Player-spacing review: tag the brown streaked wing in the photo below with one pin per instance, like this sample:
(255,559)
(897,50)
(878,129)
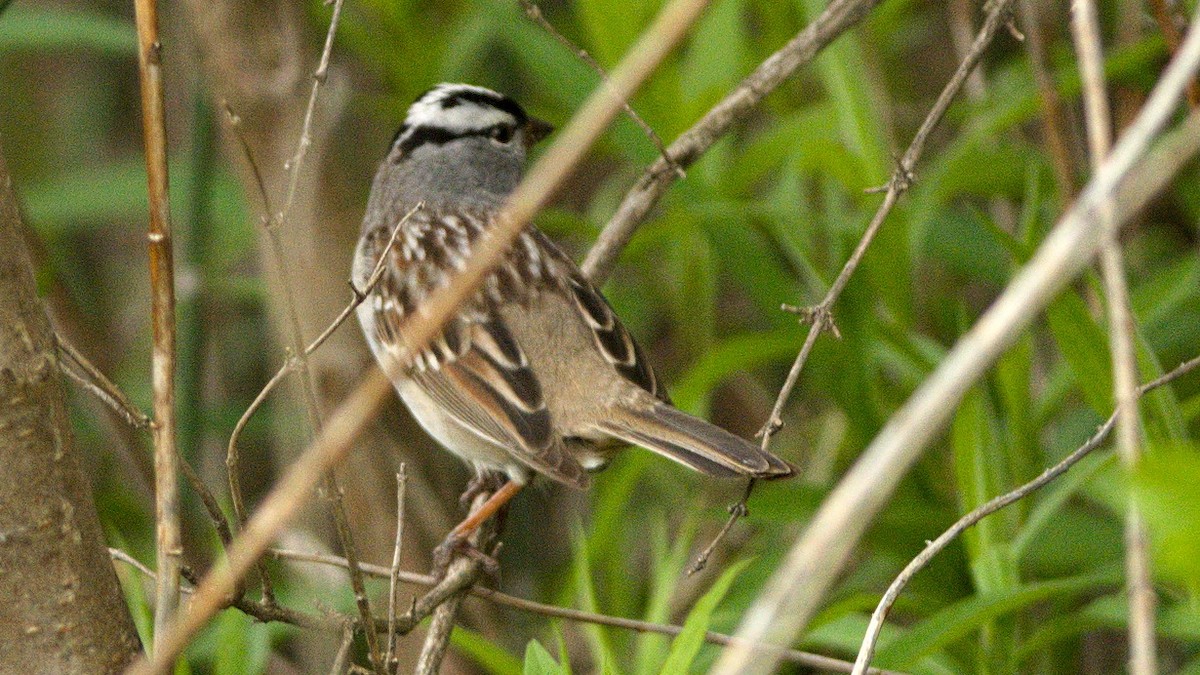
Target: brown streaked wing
(475,370)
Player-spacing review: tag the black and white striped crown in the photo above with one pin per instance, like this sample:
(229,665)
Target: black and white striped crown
(451,111)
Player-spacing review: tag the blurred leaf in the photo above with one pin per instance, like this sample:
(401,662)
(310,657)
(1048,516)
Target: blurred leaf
(598,636)
(58,30)
(539,662)
(1085,347)
(686,645)
(842,67)
(242,645)
(613,25)
(962,618)
(740,353)
(490,656)
(980,477)
(716,56)
(1166,484)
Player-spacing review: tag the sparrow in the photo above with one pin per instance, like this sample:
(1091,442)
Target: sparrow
(534,374)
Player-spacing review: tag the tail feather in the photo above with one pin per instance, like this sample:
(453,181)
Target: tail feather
(694,443)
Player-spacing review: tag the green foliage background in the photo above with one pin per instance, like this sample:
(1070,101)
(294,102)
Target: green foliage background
(767,216)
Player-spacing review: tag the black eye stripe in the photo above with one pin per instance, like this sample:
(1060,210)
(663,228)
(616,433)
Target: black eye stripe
(439,136)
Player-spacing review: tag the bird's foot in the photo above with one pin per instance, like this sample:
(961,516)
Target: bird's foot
(456,545)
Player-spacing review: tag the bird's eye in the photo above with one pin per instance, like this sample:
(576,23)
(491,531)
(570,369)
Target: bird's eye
(502,134)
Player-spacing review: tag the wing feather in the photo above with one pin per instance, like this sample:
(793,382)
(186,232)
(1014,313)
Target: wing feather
(475,369)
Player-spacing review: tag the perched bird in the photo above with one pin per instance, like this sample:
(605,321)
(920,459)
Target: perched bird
(535,373)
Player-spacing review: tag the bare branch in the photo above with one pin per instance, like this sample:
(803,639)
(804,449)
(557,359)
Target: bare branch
(94,382)
(394,576)
(342,658)
(332,488)
(461,573)
(820,316)
(837,18)
(795,656)
(1166,17)
(879,616)
(794,591)
(1142,600)
(348,420)
(162,307)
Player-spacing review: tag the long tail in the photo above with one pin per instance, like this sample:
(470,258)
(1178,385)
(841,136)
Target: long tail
(694,443)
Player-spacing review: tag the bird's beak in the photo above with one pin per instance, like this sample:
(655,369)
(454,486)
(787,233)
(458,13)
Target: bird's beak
(536,130)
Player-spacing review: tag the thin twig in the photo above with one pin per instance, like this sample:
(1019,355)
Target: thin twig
(1142,654)
(343,426)
(534,12)
(342,658)
(820,316)
(331,486)
(737,510)
(838,17)
(290,365)
(796,588)
(553,611)
(879,616)
(94,382)
(1051,106)
(394,577)
(1165,17)
(461,575)
(162,310)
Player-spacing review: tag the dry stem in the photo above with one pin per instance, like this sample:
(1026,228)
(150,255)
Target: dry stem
(96,383)
(162,308)
(331,487)
(394,576)
(1142,601)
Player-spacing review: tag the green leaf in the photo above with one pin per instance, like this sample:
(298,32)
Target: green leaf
(733,355)
(242,645)
(598,636)
(980,477)
(1085,347)
(490,656)
(686,645)
(962,618)
(716,56)
(56,30)
(539,662)
(1166,485)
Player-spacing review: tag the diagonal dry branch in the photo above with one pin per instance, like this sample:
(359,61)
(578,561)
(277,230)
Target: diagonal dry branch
(294,488)
(797,587)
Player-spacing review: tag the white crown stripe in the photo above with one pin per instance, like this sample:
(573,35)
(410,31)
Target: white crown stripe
(465,116)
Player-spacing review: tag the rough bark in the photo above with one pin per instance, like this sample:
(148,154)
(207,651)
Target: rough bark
(62,608)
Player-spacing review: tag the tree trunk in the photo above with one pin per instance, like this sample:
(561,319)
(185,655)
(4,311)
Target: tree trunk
(63,611)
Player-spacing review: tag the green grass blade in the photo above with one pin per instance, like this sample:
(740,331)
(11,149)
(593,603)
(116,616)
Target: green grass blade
(686,645)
